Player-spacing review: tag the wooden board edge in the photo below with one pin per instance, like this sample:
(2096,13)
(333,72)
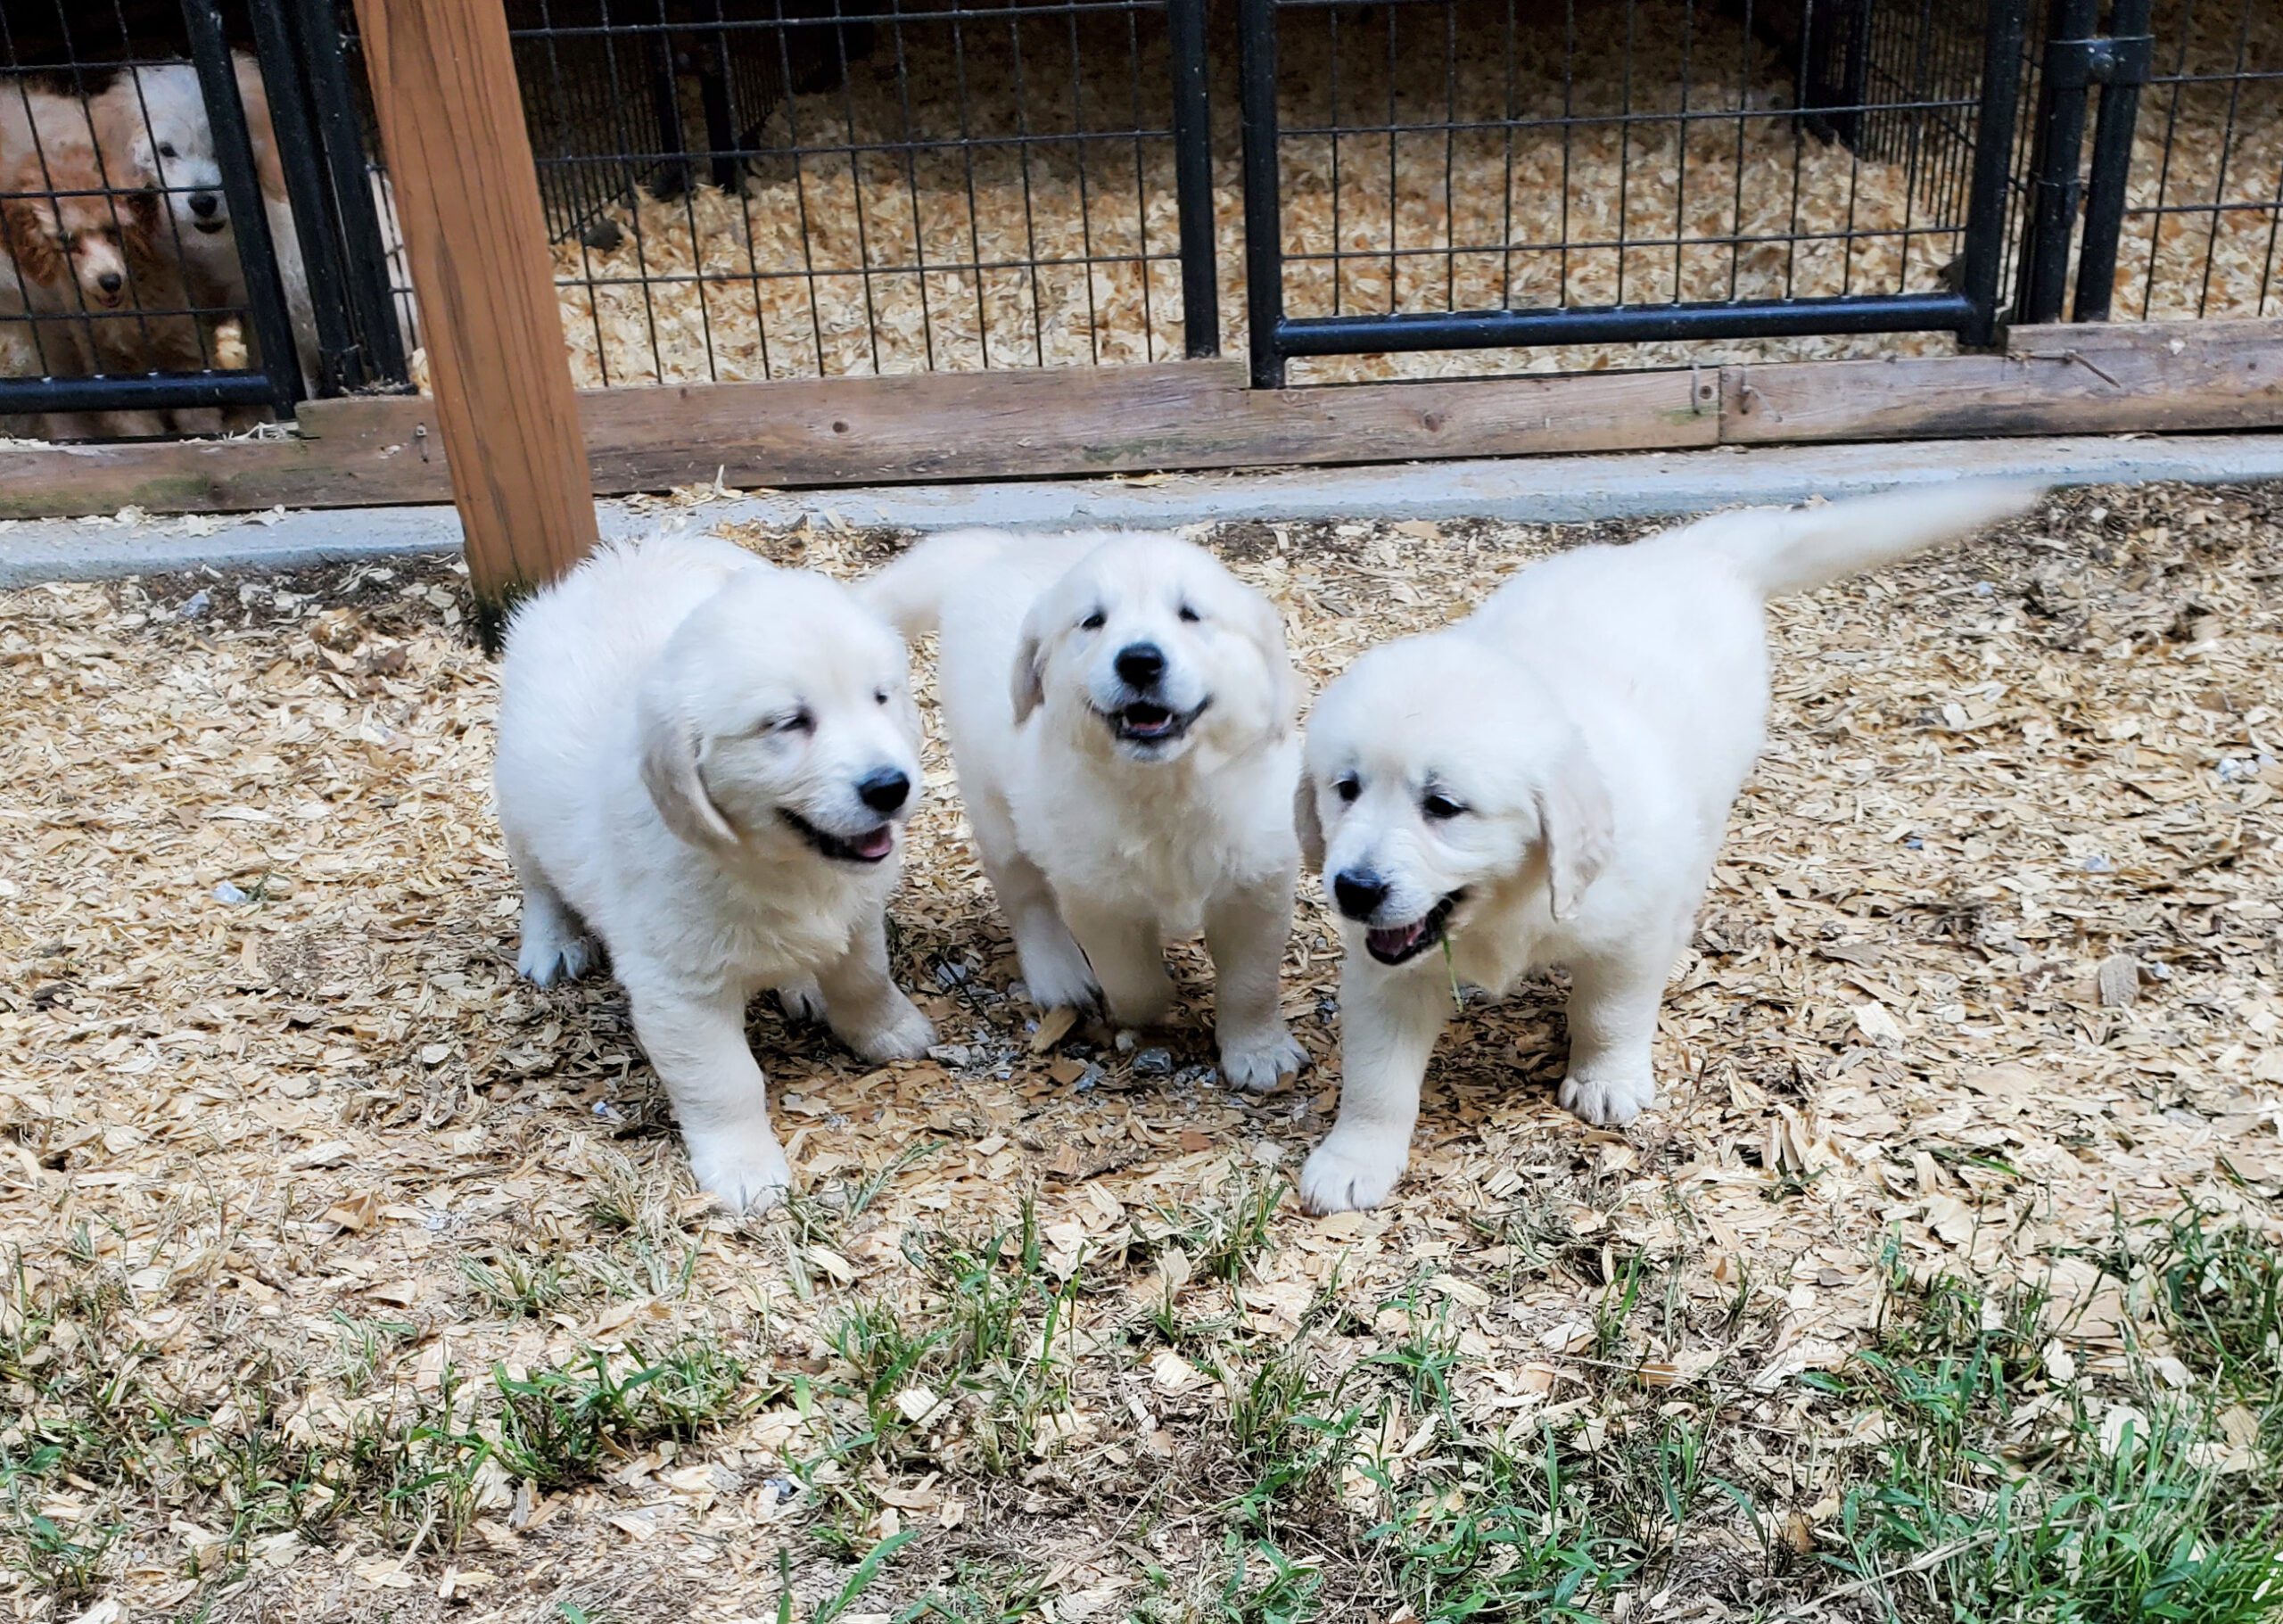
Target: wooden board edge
(2134,388)
(1193,415)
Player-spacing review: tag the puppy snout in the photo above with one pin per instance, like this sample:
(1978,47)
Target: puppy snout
(1140,664)
(1359,893)
(205,205)
(883,789)
(111,281)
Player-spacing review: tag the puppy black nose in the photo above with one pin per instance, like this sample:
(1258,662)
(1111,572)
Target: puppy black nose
(885,790)
(1140,664)
(109,282)
(1359,893)
(204,204)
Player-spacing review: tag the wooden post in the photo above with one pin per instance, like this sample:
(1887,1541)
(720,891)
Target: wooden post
(452,123)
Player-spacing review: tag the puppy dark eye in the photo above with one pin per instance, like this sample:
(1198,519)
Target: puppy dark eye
(1440,806)
(1348,787)
(802,721)
(165,149)
(1093,622)
(881,695)
(1189,615)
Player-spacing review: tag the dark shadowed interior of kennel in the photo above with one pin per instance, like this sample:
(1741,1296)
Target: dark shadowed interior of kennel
(764,189)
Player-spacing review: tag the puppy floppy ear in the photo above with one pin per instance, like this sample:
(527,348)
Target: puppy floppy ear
(1576,822)
(669,744)
(1307,824)
(1027,680)
(24,233)
(1265,627)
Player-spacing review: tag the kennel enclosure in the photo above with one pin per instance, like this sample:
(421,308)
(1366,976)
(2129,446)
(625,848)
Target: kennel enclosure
(788,241)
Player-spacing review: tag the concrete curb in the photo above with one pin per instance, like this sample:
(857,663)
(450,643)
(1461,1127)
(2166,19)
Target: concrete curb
(1546,489)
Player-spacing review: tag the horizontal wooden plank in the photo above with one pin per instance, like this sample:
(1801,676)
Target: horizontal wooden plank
(2052,381)
(1185,414)
(366,458)
(1199,415)
(2093,336)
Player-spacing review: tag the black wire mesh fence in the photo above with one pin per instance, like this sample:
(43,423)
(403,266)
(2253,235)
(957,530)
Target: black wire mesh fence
(804,188)
(2205,194)
(761,189)
(136,280)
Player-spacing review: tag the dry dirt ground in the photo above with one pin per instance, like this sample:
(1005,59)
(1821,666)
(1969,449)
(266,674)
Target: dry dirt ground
(348,1277)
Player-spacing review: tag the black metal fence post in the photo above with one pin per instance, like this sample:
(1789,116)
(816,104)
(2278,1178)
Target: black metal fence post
(1263,206)
(365,257)
(218,82)
(1984,248)
(338,362)
(1192,127)
(2126,69)
(2056,184)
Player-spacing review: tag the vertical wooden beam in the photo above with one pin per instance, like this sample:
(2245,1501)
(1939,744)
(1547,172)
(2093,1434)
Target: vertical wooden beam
(452,122)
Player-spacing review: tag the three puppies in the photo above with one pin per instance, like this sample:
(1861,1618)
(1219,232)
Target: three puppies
(703,760)
(1570,811)
(1120,711)
(705,763)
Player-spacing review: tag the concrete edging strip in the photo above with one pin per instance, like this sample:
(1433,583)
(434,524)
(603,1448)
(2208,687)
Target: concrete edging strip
(1531,490)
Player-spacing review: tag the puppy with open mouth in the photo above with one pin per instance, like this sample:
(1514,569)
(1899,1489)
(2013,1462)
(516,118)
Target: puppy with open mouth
(1547,782)
(707,762)
(1120,711)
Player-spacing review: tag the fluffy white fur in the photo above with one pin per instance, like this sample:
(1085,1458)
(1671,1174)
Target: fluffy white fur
(1111,815)
(1547,782)
(687,739)
(154,122)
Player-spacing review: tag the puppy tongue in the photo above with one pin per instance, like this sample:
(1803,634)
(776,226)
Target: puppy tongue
(877,845)
(1395,940)
(1148,719)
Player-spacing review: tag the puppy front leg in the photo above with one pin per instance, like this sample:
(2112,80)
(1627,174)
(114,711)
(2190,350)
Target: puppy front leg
(1613,1002)
(863,1005)
(1128,956)
(696,1043)
(1389,1022)
(1053,968)
(1245,932)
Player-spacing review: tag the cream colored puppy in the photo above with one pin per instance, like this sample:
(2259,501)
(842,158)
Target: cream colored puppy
(703,761)
(1120,709)
(1547,782)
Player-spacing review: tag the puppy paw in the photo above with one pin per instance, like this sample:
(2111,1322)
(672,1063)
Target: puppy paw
(1059,978)
(1352,1172)
(744,1170)
(544,960)
(1609,1099)
(802,999)
(1256,1062)
(904,1035)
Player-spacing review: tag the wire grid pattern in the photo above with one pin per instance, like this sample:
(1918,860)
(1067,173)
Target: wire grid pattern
(2206,199)
(66,151)
(802,189)
(1448,155)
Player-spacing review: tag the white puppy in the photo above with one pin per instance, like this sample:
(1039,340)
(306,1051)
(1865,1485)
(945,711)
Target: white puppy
(1547,782)
(1120,709)
(703,761)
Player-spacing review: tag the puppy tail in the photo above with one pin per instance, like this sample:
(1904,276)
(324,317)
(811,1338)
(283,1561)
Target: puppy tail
(910,592)
(1801,548)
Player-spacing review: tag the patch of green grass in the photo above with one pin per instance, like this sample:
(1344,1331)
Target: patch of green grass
(362,1346)
(517,1288)
(558,1424)
(2103,1500)
(1224,1232)
(982,1594)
